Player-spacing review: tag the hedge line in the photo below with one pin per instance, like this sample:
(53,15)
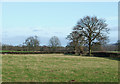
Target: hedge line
(38,52)
(97,53)
(106,54)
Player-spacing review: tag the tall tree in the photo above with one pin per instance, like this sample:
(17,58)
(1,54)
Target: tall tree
(76,40)
(93,29)
(54,42)
(32,42)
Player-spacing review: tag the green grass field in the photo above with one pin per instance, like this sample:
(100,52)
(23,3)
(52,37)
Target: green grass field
(58,68)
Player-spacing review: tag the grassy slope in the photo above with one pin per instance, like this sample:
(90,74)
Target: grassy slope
(58,68)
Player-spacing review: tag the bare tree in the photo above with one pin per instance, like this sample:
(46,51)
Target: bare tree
(32,42)
(54,42)
(93,29)
(76,40)
(97,46)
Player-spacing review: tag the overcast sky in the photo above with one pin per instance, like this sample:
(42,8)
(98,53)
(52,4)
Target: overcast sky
(23,19)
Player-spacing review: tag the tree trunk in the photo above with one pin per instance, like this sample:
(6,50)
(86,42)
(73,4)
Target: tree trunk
(89,48)
(76,50)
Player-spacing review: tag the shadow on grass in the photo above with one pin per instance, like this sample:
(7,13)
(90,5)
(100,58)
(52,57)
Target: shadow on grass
(107,57)
(86,55)
(71,55)
(112,58)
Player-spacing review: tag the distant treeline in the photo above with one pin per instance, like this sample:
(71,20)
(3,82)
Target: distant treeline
(33,44)
(89,34)
(60,49)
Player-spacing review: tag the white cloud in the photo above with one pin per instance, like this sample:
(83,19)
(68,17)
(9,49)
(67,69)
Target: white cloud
(113,36)
(16,36)
(115,28)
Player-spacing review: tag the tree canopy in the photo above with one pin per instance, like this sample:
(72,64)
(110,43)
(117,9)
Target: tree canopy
(93,30)
(54,42)
(31,42)
(76,40)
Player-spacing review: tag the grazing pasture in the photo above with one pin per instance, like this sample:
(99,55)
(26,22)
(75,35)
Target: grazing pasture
(58,68)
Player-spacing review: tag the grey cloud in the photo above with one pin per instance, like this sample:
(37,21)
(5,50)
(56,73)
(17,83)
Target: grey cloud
(37,30)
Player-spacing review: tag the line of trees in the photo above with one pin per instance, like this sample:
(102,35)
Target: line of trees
(32,43)
(90,33)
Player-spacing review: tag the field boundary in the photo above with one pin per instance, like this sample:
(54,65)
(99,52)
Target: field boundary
(95,53)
